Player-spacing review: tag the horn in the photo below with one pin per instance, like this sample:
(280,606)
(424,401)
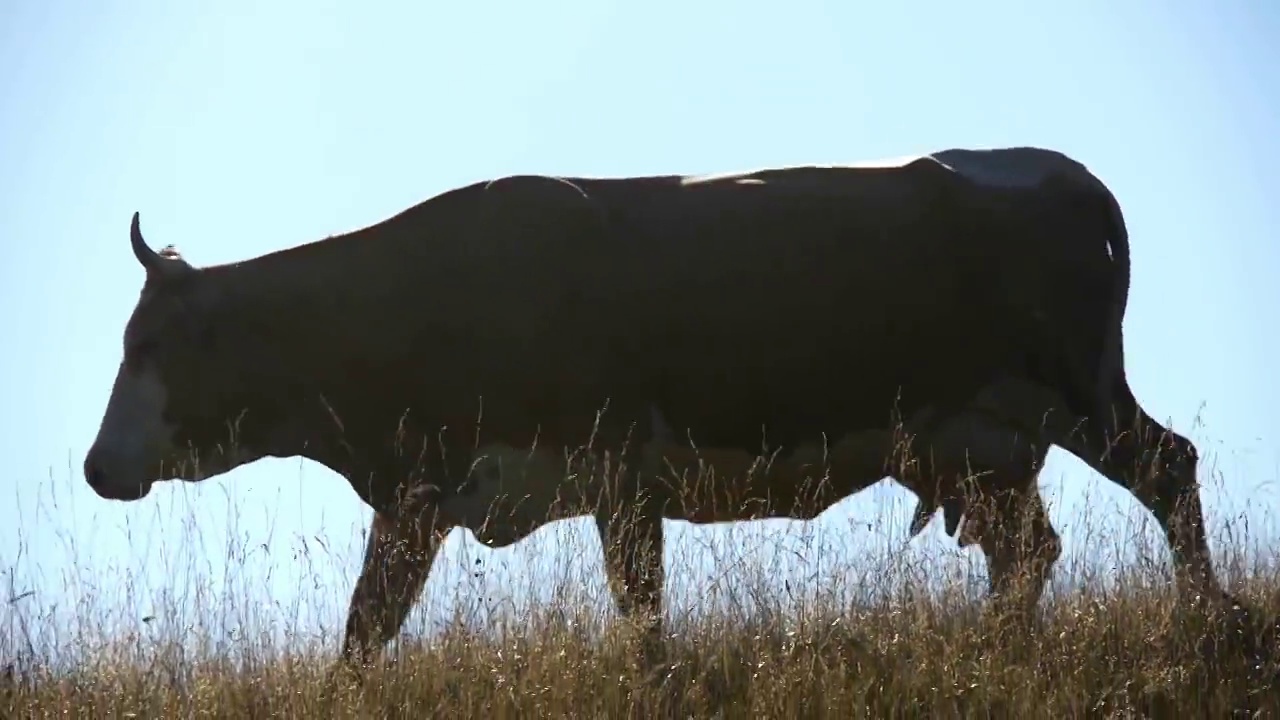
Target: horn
(148,257)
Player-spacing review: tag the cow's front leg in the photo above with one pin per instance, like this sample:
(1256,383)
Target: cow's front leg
(631,535)
(396,562)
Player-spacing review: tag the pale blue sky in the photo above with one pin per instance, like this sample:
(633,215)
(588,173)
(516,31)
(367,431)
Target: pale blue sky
(239,128)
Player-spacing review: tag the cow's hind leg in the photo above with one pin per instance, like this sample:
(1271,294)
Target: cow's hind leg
(1158,466)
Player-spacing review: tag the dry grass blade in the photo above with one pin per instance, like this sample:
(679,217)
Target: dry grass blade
(1112,645)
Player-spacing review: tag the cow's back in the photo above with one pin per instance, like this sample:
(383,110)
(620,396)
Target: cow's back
(802,300)
(793,299)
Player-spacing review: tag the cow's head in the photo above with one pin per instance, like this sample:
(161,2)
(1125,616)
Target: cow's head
(180,391)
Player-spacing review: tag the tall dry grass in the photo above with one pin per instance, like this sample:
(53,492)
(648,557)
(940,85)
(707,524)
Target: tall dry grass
(1106,645)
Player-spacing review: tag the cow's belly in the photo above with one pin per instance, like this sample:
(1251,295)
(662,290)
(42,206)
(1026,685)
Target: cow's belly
(709,485)
(515,491)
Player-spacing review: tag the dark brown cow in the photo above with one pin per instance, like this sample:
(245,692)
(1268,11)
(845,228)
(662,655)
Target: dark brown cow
(975,296)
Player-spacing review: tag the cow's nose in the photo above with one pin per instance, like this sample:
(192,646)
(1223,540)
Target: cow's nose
(93,473)
(108,482)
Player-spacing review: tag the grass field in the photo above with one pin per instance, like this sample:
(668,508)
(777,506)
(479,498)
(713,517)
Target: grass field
(1108,644)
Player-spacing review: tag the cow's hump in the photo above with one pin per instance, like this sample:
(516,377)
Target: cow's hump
(1002,167)
(1009,167)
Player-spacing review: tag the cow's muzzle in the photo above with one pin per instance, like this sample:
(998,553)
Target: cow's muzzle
(111,485)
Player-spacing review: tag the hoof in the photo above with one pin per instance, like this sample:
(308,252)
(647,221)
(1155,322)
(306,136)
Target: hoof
(344,675)
(1237,636)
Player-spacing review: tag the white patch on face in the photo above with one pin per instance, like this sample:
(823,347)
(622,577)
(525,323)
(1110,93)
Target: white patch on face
(133,436)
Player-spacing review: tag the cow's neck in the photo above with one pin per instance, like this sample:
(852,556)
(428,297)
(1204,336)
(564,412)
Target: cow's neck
(321,318)
(322,307)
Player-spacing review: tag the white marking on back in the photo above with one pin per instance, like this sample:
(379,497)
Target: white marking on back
(891,162)
(743,177)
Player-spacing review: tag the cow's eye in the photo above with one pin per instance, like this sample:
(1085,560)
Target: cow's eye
(141,347)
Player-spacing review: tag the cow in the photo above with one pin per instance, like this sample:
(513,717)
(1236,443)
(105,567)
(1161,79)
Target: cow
(458,361)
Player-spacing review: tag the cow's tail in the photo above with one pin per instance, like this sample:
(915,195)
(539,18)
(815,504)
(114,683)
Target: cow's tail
(1092,377)
(1111,360)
